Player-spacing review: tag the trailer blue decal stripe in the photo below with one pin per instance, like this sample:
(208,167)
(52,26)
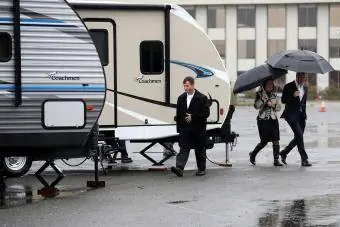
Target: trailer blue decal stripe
(31,20)
(200,71)
(36,21)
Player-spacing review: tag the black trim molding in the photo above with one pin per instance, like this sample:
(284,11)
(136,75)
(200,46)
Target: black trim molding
(120,6)
(171,105)
(167,55)
(17,53)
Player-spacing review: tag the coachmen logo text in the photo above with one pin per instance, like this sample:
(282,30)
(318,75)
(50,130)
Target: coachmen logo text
(61,76)
(142,80)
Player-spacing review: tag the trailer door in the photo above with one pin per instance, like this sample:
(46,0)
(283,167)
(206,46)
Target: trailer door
(138,71)
(141,68)
(103,35)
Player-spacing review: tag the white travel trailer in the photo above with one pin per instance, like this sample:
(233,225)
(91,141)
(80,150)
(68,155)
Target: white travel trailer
(146,51)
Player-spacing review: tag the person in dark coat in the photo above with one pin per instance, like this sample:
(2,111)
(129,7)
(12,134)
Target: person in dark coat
(268,125)
(191,120)
(294,95)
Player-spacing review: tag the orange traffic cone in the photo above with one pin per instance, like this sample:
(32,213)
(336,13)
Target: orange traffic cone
(322,107)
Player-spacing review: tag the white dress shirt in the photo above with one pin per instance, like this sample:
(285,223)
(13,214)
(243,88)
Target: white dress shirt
(301,90)
(189,98)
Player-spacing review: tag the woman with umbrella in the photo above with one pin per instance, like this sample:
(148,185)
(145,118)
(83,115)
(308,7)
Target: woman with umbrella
(267,104)
(267,122)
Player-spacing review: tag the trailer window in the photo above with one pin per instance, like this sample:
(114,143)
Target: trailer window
(5,47)
(100,39)
(151,57)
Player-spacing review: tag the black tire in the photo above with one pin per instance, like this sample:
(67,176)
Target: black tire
(16,166)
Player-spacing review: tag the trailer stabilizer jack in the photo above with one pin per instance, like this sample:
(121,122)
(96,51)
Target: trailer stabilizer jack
(96,183)
(49,190)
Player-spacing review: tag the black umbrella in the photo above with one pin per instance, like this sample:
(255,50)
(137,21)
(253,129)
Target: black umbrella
(300,61)
(256,77)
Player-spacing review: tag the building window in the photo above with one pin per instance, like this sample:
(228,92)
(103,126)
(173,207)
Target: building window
(191,10)
(276,16)
(307,44)
(151,57)
(280,83)
(240,72)
(334,15)
(5,47)
(220,46)
(334,48)
(334,79)
(246,16)
(275,46)
(307,15)
(311,79)
(216,17)
(100,40)
(246,49)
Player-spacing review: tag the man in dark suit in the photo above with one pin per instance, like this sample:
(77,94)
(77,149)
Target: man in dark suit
(191,120)
(294,97)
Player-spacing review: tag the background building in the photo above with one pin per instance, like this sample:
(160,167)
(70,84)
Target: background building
(246,32)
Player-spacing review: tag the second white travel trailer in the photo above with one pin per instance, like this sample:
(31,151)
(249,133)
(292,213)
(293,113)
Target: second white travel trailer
(146,51)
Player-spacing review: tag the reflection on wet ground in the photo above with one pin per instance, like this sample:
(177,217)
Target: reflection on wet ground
(312,128)
(18,195)
(317,134)
(326,142)
(15,195)
(320,211)
(311,144)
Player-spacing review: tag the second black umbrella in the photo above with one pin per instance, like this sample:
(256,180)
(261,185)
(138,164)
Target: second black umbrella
(256,76)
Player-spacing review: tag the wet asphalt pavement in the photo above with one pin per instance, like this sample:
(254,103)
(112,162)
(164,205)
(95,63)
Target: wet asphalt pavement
(242,195)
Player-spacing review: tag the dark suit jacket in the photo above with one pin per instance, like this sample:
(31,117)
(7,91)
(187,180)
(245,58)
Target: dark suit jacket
(294,108)
(192,135)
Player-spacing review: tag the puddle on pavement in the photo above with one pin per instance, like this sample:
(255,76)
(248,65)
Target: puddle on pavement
(334,142)
(319,211)
(312,144)
(310,128)
(334,125)
(326,142)
(179,201)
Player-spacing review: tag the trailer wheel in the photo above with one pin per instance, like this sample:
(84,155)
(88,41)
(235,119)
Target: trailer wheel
(16,166)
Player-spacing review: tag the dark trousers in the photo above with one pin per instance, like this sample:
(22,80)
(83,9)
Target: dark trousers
(183,155)
(123,151)
(298,126)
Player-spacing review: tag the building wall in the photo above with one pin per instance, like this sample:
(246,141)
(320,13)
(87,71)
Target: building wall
(246,35)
